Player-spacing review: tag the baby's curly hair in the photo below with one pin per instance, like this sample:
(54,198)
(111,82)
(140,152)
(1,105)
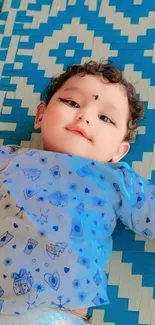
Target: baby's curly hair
(107,70)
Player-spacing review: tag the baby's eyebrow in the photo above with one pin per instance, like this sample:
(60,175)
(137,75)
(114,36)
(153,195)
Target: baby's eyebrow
(73,88)
(80,91)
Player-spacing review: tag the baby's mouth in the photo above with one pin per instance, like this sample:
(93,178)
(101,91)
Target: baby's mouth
(78,130)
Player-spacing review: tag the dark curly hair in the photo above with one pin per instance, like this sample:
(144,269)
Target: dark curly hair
(107,70)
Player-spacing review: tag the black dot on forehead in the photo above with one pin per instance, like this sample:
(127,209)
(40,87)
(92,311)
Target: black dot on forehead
(96,97)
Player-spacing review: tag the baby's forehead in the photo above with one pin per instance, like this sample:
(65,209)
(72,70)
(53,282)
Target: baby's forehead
(84,78)
(94,85)
(91,80)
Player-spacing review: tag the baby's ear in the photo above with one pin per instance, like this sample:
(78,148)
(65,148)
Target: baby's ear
(122,151)
(39,116)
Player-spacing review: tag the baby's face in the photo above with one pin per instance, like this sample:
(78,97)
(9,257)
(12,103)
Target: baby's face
(86,117)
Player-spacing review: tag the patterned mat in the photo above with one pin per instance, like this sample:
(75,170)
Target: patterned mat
(39,38)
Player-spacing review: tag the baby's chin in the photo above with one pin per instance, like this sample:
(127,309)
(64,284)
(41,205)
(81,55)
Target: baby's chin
(69,151)
(72,151)
(75,151)
(60,150)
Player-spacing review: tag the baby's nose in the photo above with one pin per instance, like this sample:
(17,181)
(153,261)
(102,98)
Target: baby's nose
(83,116)
(83,119)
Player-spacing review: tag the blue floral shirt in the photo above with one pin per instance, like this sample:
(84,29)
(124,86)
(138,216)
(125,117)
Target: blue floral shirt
(57,215)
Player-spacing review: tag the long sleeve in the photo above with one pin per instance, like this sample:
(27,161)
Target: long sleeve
(136,207)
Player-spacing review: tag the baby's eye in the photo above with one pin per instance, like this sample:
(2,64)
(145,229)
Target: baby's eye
(73,103)
(106,119)
(70,102)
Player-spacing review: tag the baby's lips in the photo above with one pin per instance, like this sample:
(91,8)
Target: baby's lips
(78,129)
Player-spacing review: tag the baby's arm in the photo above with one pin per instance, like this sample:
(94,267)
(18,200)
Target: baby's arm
(136,208)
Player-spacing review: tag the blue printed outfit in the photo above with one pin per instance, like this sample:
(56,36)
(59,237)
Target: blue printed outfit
(57,215)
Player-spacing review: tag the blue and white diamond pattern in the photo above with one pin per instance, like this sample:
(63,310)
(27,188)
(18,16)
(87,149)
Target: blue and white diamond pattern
(40,38)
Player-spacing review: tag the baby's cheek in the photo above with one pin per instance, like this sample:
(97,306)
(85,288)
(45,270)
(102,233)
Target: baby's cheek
(106,140)
(56,115)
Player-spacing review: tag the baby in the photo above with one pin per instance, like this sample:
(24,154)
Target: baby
(59,206)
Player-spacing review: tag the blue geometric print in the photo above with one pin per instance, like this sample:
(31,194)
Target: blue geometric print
(41,38)
(131,11)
